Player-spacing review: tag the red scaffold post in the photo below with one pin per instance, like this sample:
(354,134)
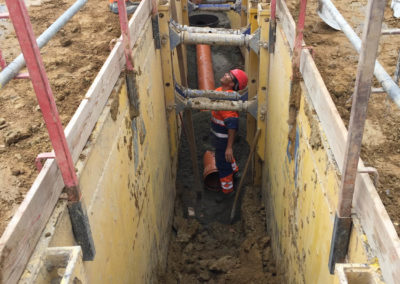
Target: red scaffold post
(23,28)
(123,21)
(79,219)
(299,40)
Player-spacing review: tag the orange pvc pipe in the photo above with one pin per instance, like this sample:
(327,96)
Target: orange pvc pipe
(205,74)
(210,173)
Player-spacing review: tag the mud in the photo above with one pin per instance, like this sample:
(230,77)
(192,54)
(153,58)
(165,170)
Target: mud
(207,247)
(337,62)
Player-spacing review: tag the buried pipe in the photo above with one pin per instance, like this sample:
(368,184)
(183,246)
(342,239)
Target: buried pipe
(383,77)
(15,66)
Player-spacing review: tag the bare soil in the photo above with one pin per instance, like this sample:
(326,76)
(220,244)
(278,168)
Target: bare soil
(207,247)
(72,60)
(337,62)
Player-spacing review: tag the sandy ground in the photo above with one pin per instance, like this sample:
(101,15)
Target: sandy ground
(337,62)
(72,60)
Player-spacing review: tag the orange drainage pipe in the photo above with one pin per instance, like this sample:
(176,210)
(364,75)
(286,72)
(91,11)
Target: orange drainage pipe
(205,79)
(205,74)
(210,173)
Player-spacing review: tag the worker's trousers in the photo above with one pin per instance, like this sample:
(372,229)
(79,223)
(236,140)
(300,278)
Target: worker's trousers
(226,170)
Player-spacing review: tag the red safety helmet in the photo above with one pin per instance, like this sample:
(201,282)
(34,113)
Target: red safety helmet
(241,78)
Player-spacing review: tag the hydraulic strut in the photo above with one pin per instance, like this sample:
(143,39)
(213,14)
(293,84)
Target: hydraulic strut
(212,100)
(207,30)
(187,35)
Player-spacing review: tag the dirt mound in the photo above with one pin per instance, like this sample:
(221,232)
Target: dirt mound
(72,60)
(222,253)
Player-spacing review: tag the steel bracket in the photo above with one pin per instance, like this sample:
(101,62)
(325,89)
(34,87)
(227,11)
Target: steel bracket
(191,6)
(81,228)
(340,241)
(370,170)
(43,156)
(238,6)
(253,107)
(174,37)
(133,96)
(272,37)
(156,31)
(179,104)
(254,42)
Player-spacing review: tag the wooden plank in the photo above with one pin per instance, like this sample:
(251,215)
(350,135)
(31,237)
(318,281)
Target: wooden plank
(22,233)
(367,204)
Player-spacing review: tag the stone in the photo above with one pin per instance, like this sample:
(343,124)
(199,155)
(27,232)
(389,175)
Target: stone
(223,264)
(204,276)
(16,172)
(15,136)
(2,121)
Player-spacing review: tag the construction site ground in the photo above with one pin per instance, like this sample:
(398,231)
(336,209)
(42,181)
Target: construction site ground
(75,55)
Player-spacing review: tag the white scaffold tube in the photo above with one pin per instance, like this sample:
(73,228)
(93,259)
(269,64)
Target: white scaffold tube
(15,66)
(215,39)
(383,77)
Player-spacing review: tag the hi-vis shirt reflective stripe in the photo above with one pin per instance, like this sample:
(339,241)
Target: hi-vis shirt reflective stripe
(219,135)
(227,183)
(217,121)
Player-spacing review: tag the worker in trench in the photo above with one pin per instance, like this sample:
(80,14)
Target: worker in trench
(130,6)
(224,125)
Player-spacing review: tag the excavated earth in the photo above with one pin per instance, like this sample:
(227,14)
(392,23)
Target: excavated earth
(207,247)
(72,60)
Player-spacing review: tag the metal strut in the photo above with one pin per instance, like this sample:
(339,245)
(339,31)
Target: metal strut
(207,30)
(207,36)
(237,7)
(213,100)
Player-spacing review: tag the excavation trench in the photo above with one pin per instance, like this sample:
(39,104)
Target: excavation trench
(207,247)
